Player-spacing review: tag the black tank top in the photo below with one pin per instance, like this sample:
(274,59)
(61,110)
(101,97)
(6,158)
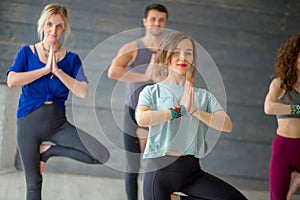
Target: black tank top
(139,65)
(294,99)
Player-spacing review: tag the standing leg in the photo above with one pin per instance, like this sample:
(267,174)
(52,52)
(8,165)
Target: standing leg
(294,158)
(133,156)
(133,166)
(280,174)
(28,145)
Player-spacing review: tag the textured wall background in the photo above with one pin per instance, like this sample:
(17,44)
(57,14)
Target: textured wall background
(241,37)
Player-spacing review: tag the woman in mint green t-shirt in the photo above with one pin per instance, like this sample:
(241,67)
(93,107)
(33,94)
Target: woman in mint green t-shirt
(176,113)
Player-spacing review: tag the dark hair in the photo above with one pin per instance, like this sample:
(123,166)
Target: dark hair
(157,7)
(286,63)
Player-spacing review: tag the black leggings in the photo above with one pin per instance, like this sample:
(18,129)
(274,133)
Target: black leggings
(48,123)
(133,153)
(170,174)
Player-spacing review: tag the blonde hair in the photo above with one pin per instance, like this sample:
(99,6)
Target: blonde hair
(167,46)
(49,11)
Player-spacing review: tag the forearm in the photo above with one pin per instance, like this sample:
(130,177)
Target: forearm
(122,74)
(271,104)
(78,88)
(18,79)
(218,120)
(274,108)
(151,118)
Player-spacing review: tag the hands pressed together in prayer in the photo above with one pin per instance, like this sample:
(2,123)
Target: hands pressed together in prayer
(51,63)
(188,97)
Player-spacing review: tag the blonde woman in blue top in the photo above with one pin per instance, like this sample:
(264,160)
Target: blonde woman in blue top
(176,113)
(46,71)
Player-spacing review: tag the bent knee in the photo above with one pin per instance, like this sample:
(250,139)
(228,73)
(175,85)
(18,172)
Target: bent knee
(104,157)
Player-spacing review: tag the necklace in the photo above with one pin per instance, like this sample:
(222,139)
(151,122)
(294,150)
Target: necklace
(46,51)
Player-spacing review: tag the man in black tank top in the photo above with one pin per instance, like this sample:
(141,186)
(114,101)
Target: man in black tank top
(131,65)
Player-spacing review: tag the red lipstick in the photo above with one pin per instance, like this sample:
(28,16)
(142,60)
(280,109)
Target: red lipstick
(181,65)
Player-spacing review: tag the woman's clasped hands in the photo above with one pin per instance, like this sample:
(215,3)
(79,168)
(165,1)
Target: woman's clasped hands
(187,100)
(51,65)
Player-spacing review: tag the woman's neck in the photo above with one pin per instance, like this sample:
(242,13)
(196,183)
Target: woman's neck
(175,78)
(46,46)
(151,41)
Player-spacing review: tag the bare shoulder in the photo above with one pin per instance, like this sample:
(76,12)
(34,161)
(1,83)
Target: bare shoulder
(127,54)
(35,45)
(276,83)
(31,46)
(128,48)
(275,88)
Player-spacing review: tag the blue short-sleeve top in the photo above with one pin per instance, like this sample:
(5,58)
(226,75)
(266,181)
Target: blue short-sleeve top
(45,88)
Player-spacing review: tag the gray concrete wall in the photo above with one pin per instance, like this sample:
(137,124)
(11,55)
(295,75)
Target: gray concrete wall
(241,37)
(8,147)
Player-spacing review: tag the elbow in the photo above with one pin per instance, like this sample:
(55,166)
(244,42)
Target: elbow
(227,127)
(11,80)
(141,122)
(112,75)
(83,92)
(84,95)
(270,107)
(10,83)
(267,110)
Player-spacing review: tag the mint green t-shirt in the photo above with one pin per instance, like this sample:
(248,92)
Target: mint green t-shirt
(184,135)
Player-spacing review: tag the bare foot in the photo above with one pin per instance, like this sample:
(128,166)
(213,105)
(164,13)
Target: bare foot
(294,184)
(43,148)
(175,197)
